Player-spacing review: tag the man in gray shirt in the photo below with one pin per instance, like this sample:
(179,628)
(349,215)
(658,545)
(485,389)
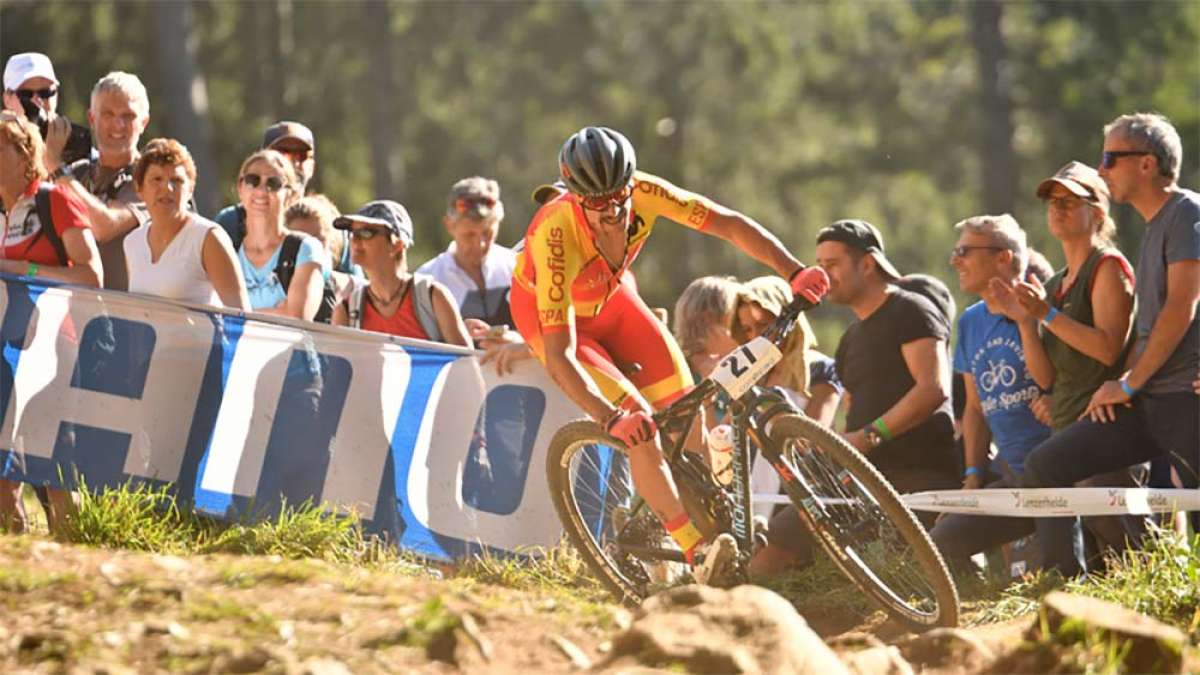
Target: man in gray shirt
(1153,409)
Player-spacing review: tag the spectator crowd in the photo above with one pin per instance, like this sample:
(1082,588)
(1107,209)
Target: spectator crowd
(1088,375)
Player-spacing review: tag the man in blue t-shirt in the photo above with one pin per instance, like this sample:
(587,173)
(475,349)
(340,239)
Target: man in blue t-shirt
(992,252)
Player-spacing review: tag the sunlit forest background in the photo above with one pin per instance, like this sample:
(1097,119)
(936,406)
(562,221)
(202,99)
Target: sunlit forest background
(910,114)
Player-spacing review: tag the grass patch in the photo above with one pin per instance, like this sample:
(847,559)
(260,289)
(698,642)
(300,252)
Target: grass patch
(250,574)
(214,609)
(26,581)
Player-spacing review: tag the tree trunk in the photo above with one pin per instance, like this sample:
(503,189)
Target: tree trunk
(186,94)
(996,154)
(382,116)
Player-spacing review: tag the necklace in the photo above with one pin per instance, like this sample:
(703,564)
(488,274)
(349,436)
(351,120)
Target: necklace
(381,301)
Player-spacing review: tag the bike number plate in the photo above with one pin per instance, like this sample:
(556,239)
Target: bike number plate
(744,366)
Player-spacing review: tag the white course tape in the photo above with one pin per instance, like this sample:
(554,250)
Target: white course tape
(1047,502)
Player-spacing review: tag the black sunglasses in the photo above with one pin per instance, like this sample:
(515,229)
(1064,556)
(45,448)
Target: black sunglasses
(962,251)
(369,233)
(1109,159)
(253,180)
(45,94)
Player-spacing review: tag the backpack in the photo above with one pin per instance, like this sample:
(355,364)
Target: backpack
(285,268)
(42,203)
(422,290)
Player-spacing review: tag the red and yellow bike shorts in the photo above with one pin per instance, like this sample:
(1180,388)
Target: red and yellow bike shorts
(624,348)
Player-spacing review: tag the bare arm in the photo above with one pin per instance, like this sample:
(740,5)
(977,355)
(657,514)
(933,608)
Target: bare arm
(927,363)
(823,404)
(108,221)
(450,323)
(304,294)
(977,436)
(1178,312)
(753,239)
(570,376)
(81,250)
(340,316)
(224,272)
(1112,304)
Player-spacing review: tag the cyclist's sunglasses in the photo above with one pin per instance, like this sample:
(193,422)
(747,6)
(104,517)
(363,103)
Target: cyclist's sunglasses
(602,202)
(44,94)
(272,183)
(369,233)
(1109,159)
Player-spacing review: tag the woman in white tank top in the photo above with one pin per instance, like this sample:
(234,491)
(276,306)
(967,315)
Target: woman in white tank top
(179,255)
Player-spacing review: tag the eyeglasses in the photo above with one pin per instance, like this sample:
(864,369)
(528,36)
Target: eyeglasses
(962,251)
(1063,203)
(463,203)
(602,202)
(271,183)
(369,233)
(1109,158)
(44,94)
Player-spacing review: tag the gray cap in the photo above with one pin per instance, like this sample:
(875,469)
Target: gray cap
(382,212)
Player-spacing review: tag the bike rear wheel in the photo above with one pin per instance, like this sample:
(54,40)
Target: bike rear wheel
(859,520)
(617,534)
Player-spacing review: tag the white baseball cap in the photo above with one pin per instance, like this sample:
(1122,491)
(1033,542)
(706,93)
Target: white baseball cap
(22,67)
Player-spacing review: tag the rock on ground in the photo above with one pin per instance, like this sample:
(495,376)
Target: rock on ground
(700,629)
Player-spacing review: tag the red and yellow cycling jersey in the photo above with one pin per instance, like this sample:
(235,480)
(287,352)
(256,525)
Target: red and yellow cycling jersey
(561,265)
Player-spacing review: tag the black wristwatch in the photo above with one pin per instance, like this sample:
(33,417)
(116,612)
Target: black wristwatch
(874,438)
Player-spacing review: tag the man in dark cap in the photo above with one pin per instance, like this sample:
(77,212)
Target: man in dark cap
(894,364)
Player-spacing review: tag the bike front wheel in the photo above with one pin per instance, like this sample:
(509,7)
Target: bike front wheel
(614,531)
(859,520)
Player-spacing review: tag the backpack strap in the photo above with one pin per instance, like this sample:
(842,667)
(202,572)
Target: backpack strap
(354,305)
(285,265)
(423,304)
(47,230)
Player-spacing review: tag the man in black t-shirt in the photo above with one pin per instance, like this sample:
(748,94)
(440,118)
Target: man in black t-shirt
(895,367)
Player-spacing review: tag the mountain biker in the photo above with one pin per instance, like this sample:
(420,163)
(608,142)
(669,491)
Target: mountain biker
(577,249)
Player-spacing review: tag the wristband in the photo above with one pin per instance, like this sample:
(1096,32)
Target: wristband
(32,270)
(1129,391)
(1049,316)
(971,471)
(881,427)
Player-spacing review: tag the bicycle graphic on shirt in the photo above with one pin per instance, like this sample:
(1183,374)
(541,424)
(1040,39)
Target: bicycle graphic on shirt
(997,373)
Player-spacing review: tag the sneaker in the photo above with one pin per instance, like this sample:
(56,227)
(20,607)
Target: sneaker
(719,561)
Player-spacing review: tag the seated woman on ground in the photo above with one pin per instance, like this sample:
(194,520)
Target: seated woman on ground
(394,301)
(267,186)
(314,215)
(179,255)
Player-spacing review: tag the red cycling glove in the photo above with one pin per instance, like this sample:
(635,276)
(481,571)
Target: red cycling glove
(810,283)
(631,428)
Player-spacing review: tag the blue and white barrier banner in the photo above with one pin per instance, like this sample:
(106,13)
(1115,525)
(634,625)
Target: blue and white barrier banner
(238,412)
(1048,502)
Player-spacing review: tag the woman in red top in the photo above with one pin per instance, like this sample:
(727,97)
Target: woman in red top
(380,236)
(29,251)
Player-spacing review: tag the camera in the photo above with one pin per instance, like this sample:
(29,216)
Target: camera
(79,142)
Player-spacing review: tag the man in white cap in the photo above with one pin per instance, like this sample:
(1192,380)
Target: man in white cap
(29,79)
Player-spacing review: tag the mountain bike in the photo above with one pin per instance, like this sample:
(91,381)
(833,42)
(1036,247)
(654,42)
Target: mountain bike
(850,509)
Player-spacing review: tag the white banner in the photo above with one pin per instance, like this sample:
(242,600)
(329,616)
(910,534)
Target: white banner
(1048,502)
(237,412)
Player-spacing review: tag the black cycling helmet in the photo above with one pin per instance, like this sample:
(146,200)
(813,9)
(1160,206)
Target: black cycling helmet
(596,161)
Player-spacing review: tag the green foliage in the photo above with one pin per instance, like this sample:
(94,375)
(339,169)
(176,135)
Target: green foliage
(795,113)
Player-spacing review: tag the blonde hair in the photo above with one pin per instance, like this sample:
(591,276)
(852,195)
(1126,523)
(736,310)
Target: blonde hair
(319,208)
(283,165)
(705,302)
(26,138)
(772,294)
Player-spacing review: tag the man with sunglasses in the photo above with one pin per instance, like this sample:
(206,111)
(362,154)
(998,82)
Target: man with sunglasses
(1153,409)
(621,364)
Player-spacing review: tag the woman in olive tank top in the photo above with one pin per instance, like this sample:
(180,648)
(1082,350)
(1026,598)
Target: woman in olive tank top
(1085,314)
